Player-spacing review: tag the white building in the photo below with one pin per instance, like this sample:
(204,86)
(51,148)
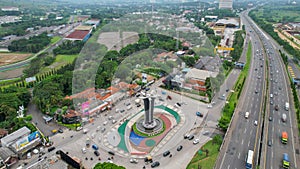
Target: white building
(225,4)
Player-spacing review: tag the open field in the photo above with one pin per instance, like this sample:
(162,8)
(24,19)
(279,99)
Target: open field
(117,40)
(9,58)
(60,61)
(55,39)
(12,73)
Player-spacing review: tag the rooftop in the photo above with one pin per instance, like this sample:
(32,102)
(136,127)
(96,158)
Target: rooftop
(15,135)
(200,74)
(78,34)
(83,28)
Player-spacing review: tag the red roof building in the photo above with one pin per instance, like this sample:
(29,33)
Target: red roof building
(81,35)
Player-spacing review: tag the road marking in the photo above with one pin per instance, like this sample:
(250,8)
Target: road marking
(251,132)
(228,166)
(245,130)
(239,155)
(242,141)
(272,155)
(248,143)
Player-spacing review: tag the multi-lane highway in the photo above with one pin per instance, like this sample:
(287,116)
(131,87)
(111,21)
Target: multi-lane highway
(244,131)
(267,77)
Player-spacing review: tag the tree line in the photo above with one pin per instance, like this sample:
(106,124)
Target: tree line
(33,44)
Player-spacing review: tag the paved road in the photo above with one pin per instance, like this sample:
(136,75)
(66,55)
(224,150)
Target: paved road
(242,135)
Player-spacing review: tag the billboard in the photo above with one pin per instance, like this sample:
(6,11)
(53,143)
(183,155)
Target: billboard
(21,143)
(33,136)
(85,108)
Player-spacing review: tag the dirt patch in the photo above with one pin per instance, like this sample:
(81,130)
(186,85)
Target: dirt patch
(9,58)
(12,73)
(117,40)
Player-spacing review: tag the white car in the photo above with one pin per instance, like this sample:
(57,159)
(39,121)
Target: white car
(133,160)
(209,106)
(114,121)
(255,122)
(196,141)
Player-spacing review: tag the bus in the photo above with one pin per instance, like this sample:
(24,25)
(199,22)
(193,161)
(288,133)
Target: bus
(284,137)
(286,161)
(249,159)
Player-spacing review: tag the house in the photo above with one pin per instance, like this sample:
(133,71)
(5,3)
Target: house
(81,35)
(209,63)
(7,158)
(71,117)
(3,133)
(13,137)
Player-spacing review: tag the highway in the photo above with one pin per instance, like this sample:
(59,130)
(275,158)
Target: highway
(234,153)
(243,132)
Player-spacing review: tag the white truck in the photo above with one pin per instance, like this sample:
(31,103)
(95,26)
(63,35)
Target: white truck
(287,106)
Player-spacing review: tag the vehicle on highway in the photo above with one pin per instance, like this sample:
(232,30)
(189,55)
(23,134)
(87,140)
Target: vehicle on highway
(187,135)
(155,164)
(271,102)
(148,159)
(113,121)
(95,147)
(60,130)
(209,106)
(286,106)
(96,152)
(283,117)
(196,141)
(166,153)
(269,143)
(79,128)
(104,123)
(255,122)
(199,114)
(249,160)
(276,107)
(133,160)
(247,115)
(85,131)
(284,137)
(103,129)
(169,97)
(179,148)
(256,91)
(178,104)
(270,118)
(271,95)
(191,137)
(285,161)
(87,142)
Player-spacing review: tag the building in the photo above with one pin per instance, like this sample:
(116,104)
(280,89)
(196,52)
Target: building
(78,35)
(200,75)
(7,158)
(231,23)
(225,4)
(93,22)
(13,137)
(3,133)
(9,8)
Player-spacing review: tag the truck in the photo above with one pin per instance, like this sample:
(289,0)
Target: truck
(284,137)
(285,161)
(287,106)
(283,118)
(247,115)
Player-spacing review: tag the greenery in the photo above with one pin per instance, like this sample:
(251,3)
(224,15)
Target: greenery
(107,165)
(33,44)
(69,48)
(208,156)
(237,45)
(229,108)
(10,100)
(55,39)
(215,40)
(266,26)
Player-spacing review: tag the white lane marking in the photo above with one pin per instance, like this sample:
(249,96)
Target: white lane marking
(248,143)
(239,155)
(242,141)
(251,132)
(228,166)
(272,154)
(245,130)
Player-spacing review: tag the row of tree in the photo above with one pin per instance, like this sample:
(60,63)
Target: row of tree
(237,45)
(69,48)
(33,44)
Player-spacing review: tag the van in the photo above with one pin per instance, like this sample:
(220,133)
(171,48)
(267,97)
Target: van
(95,147)
(247,115)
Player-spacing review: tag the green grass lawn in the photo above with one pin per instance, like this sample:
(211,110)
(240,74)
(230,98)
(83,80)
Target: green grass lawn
(60,61)
(206,162)
(55,39)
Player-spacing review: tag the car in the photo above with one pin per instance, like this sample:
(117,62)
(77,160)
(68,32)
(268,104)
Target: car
(255,122)
(247,115)
(179,148)
(95,147)
(191,137)
(110,117)
(104,123)
(103,129)
(227,90)
(83,150)
(209,106)
(113,121)
(166,153)
(147,89)
(256,91)
(133,160)
(96,152)
(279,88)
(51,149)
(155,164)
(186,136)
(271,102)
(276,107)
(270,118)
(199,114)
(269,143)
(121,111)
(178,104)
(111,153)
(196,141)
(138,95)
(60,130)
(79,128)
(206,133)
(127,104)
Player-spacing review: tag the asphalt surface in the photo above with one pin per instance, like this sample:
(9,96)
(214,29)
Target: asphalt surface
(243,132)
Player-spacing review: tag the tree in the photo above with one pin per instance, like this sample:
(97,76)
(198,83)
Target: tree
(107,165)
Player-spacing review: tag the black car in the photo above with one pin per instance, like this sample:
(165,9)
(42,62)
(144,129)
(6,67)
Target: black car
(96,153)
(51,149)
(179,148)
(60,130)
(191,137)
(269,143)
(155,164)
(178,104)
(111,153)
(166,153)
